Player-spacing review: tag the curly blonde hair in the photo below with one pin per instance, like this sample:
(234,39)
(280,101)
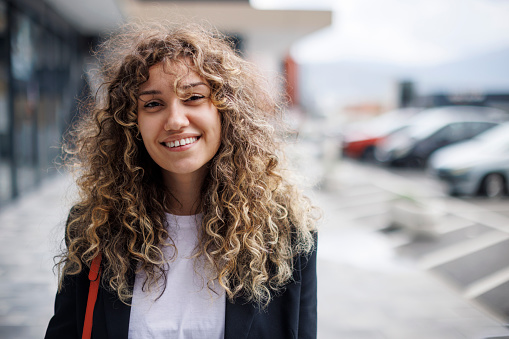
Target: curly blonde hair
(255,221)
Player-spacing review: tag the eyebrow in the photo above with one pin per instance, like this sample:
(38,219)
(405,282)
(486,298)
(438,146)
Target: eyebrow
(187,86)
(194,84)
(152,91)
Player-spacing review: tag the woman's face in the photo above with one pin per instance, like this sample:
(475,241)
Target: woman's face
(181,132)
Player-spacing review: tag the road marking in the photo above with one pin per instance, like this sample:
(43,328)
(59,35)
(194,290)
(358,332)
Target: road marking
(455,206)
(487,283)
(457,223)
(461,249)
(481,215)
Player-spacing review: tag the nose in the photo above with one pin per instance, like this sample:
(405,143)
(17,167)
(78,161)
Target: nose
(176,117)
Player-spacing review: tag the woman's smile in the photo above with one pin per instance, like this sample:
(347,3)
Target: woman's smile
(180,143)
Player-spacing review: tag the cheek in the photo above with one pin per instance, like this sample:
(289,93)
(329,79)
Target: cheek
(145,135)
(143,127)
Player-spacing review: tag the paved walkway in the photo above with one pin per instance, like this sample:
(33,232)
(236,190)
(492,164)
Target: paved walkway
(365,290)
(30,233)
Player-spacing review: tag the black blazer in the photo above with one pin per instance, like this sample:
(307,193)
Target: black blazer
(292,314)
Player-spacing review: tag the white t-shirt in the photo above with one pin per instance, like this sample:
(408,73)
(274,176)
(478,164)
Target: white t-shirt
(187,309)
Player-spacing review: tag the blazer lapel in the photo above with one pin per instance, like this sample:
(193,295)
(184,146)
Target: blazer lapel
(117,313)
(117,316)
(238,318)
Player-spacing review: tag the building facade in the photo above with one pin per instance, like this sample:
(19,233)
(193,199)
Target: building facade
(41,58)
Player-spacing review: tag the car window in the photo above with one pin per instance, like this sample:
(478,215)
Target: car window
(474,128)
(450,133)
(496,134)
(458,131)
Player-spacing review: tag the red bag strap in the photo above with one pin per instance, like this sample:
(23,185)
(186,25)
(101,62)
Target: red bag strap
(95,279)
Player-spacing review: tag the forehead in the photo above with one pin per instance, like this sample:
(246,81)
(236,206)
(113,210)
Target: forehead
(173,73)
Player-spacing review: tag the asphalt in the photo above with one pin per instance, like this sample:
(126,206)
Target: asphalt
(366,289)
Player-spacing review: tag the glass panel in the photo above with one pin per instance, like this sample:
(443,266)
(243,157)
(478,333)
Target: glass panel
(5,159)
(25,98)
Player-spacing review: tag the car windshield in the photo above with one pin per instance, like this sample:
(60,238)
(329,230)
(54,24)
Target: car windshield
(429,121)
(386,123)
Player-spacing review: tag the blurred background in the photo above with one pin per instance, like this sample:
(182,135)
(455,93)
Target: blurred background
(401,118)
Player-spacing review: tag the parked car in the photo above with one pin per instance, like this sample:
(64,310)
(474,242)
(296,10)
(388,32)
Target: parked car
(475,167)
(433,129)
(359,139)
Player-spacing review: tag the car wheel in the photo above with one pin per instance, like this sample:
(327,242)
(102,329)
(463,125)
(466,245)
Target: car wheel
(368,154)
(415,162)
(454,193)
(493,185)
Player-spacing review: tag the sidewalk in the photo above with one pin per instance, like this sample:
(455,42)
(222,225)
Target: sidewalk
(365,290)
(30,232)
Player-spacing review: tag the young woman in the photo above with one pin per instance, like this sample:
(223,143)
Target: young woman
(182,194)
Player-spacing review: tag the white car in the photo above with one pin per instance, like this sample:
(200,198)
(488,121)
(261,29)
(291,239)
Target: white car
(479,166)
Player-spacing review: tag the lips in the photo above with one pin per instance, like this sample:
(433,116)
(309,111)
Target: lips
(181,142)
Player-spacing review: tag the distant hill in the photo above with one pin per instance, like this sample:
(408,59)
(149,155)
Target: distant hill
(348,82)
(487,72)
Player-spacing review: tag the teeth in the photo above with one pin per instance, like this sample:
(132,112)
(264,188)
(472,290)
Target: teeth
(181,142)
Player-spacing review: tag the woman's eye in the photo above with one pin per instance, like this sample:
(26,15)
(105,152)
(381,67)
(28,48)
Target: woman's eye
(194,97)
(151,104)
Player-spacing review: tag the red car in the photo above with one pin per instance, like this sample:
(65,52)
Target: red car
(360,139)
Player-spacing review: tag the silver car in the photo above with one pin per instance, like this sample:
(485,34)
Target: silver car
(433,129)
(479,166)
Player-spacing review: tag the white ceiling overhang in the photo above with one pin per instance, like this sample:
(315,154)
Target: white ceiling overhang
(93,17)
(229,16)
(89,17)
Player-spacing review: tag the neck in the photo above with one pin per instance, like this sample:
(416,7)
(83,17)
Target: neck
(186,192)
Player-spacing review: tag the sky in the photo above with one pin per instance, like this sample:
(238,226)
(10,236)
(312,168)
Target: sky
(403,32)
